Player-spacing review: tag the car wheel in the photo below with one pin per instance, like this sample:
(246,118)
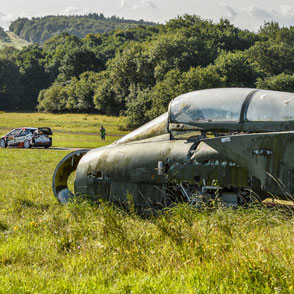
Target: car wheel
(2,143)
(26,144)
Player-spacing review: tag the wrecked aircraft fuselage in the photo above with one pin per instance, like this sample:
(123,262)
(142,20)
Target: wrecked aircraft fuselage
(217,143)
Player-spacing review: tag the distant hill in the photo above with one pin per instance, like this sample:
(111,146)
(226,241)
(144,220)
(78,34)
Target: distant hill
(40,29)
(11,39)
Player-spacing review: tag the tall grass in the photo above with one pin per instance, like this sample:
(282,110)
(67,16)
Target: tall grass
(88,248)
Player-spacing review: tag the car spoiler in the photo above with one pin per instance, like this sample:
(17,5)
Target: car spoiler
(45,131)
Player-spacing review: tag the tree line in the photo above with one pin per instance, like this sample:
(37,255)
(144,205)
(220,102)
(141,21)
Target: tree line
(138,70)
(40,29)
(4,36)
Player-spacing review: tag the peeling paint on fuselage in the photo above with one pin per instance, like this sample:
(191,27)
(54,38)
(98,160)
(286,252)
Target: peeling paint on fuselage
(175,153)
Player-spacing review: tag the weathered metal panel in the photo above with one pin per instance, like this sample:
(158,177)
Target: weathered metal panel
(250,151)
(130,167)
(142,194)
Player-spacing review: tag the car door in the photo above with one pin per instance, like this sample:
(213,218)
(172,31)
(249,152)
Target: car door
(11,141)
(17,137)
(20,138)
(10,137)
(26,134)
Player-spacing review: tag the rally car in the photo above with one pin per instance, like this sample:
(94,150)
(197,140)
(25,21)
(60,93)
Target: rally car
(27,137)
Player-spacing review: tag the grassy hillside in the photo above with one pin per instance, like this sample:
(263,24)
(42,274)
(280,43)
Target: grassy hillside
(15,41)
(84,248)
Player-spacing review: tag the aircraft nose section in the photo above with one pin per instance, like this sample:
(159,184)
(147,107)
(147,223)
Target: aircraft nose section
(62,172)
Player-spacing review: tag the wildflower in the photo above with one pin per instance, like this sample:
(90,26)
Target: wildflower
(33,224)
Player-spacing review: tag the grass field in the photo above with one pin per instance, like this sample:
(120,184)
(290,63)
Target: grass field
(85,248)
(70,130)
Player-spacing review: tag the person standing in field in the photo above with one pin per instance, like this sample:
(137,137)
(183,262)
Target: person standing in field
(102,133)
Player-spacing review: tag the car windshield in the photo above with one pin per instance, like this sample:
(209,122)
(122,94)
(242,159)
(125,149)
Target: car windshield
(271,106)
(212,105)
(156,127)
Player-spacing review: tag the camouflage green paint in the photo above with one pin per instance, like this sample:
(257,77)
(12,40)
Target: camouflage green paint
(254,155)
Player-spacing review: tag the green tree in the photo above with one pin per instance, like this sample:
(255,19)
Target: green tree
(3,36)
(281,82)
(51,99)
(176,50)
(38,29)
(76,95)
(30,61)
(137,104)
(55,51)
(128,67)
(272,31)
(201,78)
(163,92)
(18,26)
(272,57)
(236,70)
(10,85)
(220,36)
(76,62)
(104,97)
(85,90)
(177,83)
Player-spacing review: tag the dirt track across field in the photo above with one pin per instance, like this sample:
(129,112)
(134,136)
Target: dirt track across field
(84,133)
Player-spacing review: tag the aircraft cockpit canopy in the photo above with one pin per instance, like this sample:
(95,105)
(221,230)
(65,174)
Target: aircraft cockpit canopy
(225,110)
(213,105)
(271,106)
(232,109)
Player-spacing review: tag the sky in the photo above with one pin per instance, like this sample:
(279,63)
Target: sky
(245,14)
